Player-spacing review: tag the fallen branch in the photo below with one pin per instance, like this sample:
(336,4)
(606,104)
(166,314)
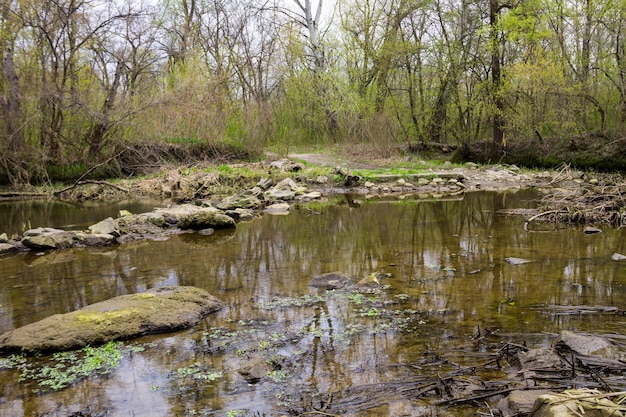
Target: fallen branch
(71,187)
(545,213)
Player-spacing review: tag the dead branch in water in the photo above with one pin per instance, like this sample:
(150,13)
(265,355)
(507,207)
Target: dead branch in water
(587,204)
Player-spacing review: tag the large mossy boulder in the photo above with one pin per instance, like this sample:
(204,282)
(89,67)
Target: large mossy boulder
(154,311)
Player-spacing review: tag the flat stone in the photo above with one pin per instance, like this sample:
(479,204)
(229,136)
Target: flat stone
(588,344)
(313,195)
(278,208)
(41,230)
(47,240)
(8,248)
(94,240)
(516,261)
(154,311)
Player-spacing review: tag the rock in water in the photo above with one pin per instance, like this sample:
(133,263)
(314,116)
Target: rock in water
(329,281)
(154,311)
(516,261)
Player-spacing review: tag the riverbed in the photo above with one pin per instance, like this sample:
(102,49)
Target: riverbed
(440,278)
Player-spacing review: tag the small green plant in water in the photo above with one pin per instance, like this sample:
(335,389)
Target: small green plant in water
(278,376)
(68,367)
(198,372)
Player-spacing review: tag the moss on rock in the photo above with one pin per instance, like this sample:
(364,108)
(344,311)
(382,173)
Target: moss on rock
(156,311)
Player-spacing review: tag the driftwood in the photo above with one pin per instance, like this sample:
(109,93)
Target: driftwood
(106,183)
(82,181)
(17,195)
(569,310)
(440,382)
(587,204)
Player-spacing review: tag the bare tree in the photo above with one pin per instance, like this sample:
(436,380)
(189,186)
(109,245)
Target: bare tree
(10,91)
(312,24)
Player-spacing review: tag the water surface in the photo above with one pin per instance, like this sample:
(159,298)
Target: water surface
(444,279)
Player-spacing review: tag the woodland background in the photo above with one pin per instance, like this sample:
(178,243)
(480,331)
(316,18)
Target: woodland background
(129,84)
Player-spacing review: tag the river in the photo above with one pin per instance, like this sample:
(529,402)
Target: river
(443,280)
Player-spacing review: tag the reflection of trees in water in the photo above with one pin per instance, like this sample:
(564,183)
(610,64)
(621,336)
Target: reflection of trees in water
(428,246)
(443,254)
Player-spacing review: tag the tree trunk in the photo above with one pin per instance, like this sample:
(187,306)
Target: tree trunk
(103,123)
(11,102)
(496,76)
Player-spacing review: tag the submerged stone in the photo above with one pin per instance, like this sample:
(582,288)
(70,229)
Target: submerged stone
(329,281)
(154,311)
(618,257)
(516,261)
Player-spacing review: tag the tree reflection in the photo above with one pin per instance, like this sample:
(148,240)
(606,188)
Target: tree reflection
(445,258)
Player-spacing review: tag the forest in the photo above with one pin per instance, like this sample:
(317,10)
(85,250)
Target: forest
(127,84)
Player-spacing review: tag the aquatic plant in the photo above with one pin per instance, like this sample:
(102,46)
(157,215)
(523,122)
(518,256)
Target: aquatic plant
(198,372)
(306,300)
(278,375)
(65,368)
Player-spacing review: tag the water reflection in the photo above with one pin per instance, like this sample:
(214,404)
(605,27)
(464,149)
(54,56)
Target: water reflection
(17,216)
(446,260)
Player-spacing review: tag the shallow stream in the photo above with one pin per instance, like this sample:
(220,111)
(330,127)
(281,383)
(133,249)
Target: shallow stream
(443,281)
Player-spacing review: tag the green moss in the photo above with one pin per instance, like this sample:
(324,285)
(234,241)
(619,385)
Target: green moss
(143,296)
(108,317)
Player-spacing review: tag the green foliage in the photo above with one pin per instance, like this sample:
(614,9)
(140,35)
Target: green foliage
(394,73)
